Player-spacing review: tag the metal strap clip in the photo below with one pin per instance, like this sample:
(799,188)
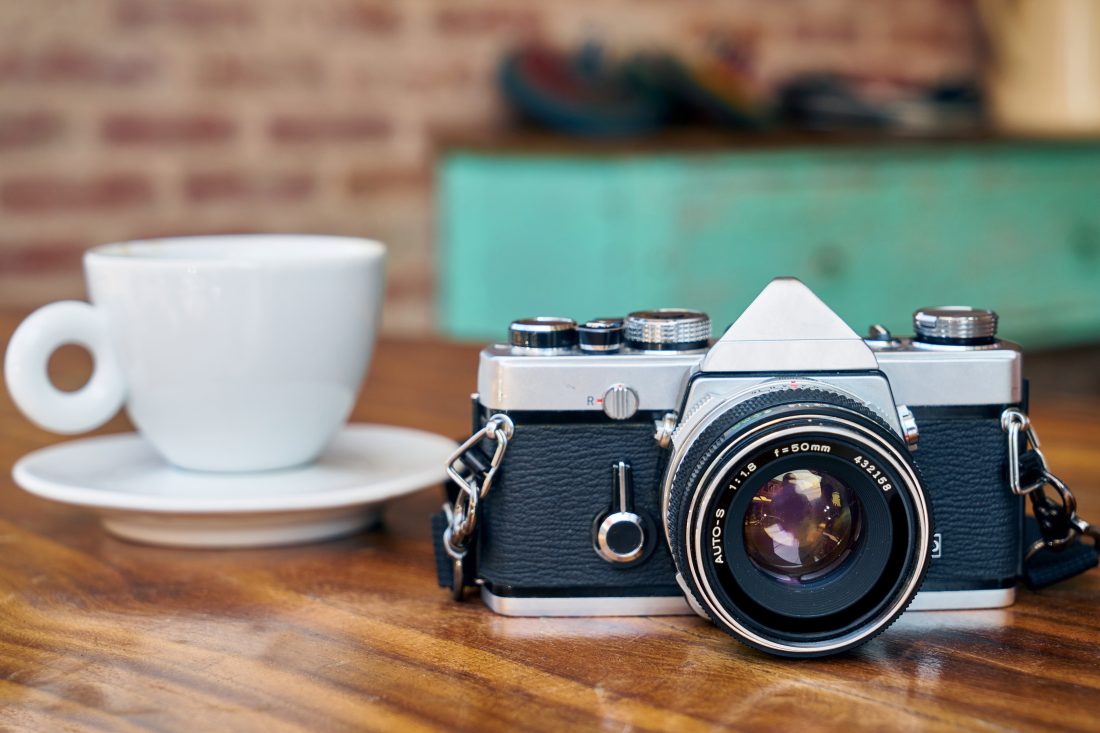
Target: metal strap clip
(1057,517)
(1013,422)
(462,515)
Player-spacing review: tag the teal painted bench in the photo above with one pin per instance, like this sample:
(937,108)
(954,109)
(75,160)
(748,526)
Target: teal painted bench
(875,231)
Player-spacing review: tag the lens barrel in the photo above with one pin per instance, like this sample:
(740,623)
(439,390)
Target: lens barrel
(799,523)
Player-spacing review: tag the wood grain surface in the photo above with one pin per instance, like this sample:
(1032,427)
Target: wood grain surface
(100,634)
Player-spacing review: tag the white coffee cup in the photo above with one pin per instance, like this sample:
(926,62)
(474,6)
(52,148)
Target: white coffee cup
(230,353)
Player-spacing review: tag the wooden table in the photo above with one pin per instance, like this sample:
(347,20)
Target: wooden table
(97,633)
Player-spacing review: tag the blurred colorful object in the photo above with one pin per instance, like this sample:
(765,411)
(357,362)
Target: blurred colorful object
(831,102)
(586,94)
(827,102)
(724,87)
(577,94)
(719,89)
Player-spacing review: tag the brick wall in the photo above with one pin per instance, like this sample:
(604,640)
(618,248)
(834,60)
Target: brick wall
(136,118)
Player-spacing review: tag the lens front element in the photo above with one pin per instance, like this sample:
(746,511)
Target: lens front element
(801,525)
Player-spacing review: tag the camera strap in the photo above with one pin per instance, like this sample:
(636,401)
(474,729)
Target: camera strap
(1049,566)
(1054,533)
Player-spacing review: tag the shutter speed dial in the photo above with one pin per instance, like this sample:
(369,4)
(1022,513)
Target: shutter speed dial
(668,329)
(622,536)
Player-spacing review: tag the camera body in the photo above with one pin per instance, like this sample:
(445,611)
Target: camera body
(763,480)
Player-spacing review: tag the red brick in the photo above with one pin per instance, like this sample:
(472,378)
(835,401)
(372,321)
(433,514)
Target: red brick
(44,193)
(841,31)
(137,128)
(226,71)
(428,77)
(189,14)
(22,129)
(74,65)
(233,186)
(366,17)
(930,38)
(41,256)
(431,78)
(312,128)
(370,17)
(488,20)
(387,180)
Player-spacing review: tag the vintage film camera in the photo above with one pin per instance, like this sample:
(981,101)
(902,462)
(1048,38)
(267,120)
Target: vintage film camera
(771,480)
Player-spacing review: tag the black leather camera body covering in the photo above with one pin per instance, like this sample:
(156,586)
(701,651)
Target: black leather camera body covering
(536,526)
(978,522)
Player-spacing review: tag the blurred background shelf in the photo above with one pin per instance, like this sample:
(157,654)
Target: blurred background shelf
(877,227)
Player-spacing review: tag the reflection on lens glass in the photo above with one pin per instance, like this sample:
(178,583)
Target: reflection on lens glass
(801,525)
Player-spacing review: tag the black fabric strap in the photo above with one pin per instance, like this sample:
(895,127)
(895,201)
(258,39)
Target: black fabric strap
(444,568)
(1048,566)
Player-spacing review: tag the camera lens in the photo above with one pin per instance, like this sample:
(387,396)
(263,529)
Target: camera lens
(797,520)
(801,525)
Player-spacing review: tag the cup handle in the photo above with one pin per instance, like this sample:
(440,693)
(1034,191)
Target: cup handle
(27,359)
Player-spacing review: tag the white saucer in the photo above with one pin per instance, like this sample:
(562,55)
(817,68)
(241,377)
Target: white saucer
(142,498)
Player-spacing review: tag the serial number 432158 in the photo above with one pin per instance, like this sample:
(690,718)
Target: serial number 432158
(876,474)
